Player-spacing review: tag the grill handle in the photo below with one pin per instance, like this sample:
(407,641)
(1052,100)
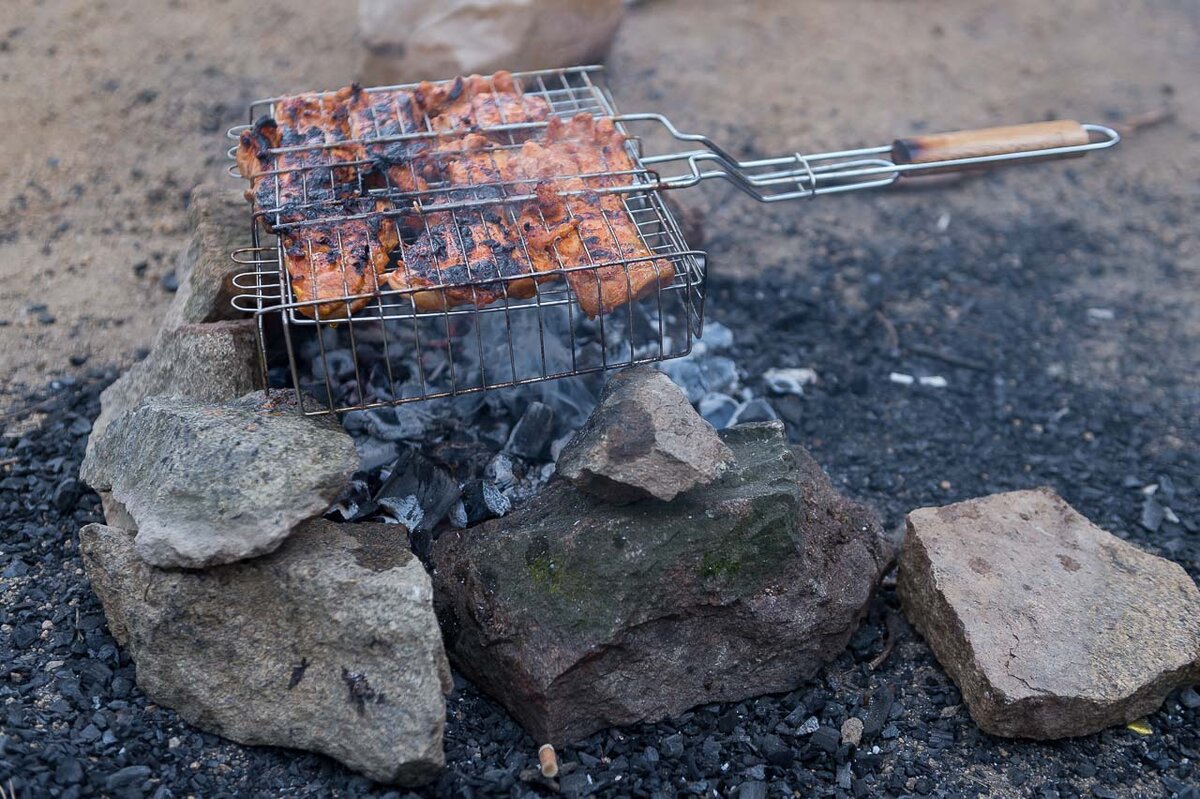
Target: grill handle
(968,144)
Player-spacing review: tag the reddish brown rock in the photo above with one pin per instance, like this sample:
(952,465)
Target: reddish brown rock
(577,614)
(1050,626)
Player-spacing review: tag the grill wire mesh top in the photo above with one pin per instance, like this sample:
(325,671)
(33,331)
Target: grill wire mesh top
(474,327)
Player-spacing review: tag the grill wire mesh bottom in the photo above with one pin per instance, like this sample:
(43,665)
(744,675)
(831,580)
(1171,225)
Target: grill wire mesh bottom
(388,353)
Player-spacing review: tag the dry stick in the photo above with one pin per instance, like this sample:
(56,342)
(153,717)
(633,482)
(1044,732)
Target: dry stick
(948,357)
(893,336)
(1146,119)
(893,632)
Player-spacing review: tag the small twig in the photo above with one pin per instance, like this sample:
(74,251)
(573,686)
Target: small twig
(893,336)
(893,632)
(1146,119)
(8,462)
(948,357)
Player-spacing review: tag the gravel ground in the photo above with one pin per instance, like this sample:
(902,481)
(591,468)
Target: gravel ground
(1024,405)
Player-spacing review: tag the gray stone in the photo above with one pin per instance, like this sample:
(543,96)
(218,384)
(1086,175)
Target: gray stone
(209,362)
(852,731)
(213,483)
(329,644)
(220,222)
(1050,626)
(577,615)
(407,40)
(643,440)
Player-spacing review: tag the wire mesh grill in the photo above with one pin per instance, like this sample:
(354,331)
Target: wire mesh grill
(384,344)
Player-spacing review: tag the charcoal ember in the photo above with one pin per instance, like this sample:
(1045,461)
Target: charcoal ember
(718,409)
(353,497)
(483,500)
(716,336)
(500,471)
(756,410)
(699,374)
(405,510)
(533,432)
(458,516)
(398,423)
(559,444)
(431,489)
(374,454)
(643,441)
(617,621)
(333,365)
(1051,626)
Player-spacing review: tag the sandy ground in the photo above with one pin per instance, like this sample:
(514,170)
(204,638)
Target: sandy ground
(112,111)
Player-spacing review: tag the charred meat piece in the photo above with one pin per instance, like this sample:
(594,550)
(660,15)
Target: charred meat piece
(479,101)
(479,245)
(386,114)
(323,169)
(336,268)
(305,195)
(607,240)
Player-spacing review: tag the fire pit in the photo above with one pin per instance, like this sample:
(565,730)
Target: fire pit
(667,567)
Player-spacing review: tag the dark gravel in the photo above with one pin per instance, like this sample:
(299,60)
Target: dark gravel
(1032,398)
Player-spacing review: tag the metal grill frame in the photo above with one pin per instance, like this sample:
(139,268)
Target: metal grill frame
(676,303)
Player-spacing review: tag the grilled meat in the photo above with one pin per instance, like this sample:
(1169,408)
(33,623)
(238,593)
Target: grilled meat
(337,261)
(382,115)
(478,245)
(298,192)
(322,171)
(620,268)
(476,255)
(479,101)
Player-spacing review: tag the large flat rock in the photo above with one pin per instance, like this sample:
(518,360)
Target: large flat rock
(329,644)
(576,614)
(1050,626)
(208,483)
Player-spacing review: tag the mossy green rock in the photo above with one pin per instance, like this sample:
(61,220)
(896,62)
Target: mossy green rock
(577,615)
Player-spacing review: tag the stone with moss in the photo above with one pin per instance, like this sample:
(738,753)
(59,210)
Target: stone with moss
(577,615)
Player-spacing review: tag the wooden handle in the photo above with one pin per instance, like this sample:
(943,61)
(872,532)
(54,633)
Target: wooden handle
(988,141)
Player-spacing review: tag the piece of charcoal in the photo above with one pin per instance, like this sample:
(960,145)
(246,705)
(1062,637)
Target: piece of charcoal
(756,410)
(718,409)
(483,500)
(414,475)
(878,711)
(532,433)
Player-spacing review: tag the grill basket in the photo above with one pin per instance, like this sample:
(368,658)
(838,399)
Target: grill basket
(388,348)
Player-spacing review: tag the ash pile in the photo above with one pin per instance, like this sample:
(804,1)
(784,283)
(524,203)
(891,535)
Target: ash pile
(457,461)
